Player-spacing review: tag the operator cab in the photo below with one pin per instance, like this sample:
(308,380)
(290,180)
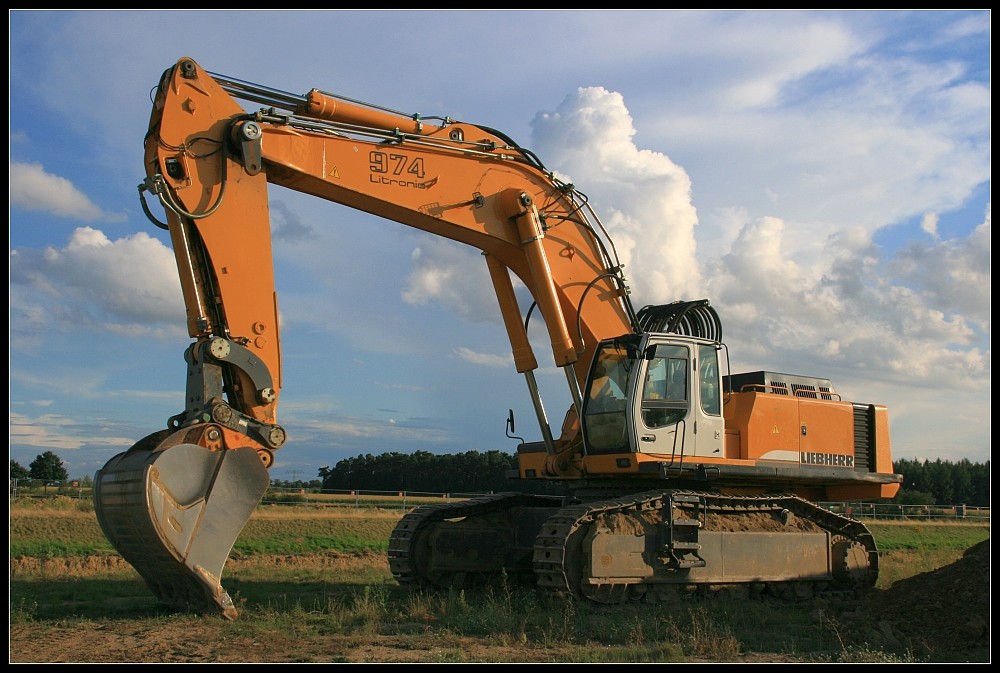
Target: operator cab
(654,393)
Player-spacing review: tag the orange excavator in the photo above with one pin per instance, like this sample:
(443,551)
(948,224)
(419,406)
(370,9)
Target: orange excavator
(678,476)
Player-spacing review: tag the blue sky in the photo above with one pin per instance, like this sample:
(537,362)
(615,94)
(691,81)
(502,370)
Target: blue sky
(823,177)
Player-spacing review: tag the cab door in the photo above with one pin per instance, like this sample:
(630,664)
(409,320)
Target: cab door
(679,412)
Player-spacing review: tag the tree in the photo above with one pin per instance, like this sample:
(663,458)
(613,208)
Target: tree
(48,467)
(911,497)
(18,471)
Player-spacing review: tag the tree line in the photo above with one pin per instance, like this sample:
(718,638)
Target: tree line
(468,472)
(942,482)
(926,482)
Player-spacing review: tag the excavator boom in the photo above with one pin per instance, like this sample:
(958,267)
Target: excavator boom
(209,162)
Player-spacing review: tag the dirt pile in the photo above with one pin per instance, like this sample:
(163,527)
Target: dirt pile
(944,610)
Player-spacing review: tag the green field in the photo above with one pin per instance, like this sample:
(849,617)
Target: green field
(322,577)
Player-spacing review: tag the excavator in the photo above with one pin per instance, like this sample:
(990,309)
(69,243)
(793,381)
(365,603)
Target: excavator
(677,476)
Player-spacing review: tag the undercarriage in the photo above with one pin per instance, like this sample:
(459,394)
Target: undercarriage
(651,546)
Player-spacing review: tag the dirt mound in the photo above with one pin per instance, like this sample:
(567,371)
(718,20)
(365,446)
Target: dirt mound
(67,566)
(940,611)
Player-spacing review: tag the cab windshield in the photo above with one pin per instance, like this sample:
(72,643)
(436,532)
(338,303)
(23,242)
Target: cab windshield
(606,402)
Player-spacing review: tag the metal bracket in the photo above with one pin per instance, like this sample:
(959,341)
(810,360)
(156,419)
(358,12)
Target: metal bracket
(248,135)
(231,352)
(205,390)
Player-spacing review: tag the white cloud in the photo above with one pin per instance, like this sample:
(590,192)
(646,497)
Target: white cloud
(810,295)
(452,275)
(342,432)
(487,359)
(127,286)
(851,312)
(643,197)
(929,223)
(32,188)
(52,432)
(83,381)
(952,275)
(857,135)
(780,56)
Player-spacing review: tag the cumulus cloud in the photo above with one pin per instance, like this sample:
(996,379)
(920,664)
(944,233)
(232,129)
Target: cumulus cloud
(126,286)
(929,224)
(916,317)
(952,275)
(813,294)
(643,198)
(32,188)
(452,275)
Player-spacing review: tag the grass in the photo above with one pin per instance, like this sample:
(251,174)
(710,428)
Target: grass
(907,549)
(938,536)
(69,528)
(282,533)
(315,575)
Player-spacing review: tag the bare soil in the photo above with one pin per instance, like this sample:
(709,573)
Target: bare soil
(946,610)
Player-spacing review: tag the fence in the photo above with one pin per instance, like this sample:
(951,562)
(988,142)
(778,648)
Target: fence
(405,500)
(359,499)
(888,510)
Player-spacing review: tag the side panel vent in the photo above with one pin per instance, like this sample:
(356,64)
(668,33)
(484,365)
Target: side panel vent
(864,437)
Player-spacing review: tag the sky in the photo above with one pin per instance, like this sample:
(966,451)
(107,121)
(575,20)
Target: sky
(823,177)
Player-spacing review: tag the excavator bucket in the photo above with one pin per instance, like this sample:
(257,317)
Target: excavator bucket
(174,510)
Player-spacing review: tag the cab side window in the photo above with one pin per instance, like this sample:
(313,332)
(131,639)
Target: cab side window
(708,375)
(665,390)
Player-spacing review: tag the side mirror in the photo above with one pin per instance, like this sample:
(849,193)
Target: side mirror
(510,426)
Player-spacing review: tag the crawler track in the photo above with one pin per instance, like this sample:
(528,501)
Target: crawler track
(682,565)
(651,546)
(414,562)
